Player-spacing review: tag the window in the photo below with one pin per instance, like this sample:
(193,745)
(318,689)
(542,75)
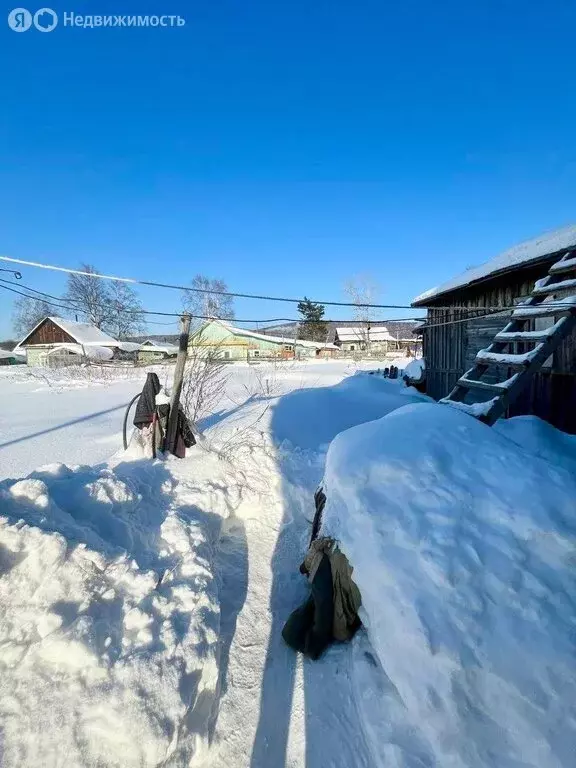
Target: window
(256,353)
(352,347)
(226,355)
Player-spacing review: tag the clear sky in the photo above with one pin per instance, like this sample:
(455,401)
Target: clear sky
(285,146)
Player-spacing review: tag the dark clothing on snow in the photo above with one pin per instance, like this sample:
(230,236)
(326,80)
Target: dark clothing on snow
(331,611)
(146,407)
(309,628)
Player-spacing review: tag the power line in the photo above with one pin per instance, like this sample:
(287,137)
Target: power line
(188,288)
(17,275)
(426,326)
(63,306)
(500,310)
(27,296)
(76,307)
(491,310)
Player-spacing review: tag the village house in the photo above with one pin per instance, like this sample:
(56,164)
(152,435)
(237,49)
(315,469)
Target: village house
(452,338)
(56,341)
(377,336)
(363,337)
(227,342)
(152,351)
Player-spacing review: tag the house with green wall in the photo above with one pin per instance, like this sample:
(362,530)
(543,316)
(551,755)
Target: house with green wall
(225,341)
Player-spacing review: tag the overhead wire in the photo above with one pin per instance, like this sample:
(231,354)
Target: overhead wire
(259,321)
(189,289)
(488,310)
(17,275)
(425,326)
(68,307)
(157,284)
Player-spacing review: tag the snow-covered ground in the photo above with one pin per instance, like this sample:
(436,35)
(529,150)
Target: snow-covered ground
(463,540)
(68,416)
(141,602)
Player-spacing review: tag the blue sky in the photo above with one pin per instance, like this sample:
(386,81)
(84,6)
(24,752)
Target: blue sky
(285,146)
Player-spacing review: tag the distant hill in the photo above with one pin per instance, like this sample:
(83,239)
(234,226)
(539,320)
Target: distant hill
(168,339)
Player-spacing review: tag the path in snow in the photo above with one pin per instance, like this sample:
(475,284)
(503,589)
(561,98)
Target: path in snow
(276,708)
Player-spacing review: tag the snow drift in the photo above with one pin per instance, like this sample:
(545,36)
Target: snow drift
(109,617)
(462,543)
(415,370)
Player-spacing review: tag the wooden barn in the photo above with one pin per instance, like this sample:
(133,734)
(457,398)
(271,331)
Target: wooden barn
(453,341)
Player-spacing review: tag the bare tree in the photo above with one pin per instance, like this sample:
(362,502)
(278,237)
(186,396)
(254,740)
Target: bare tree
(90,297)
(204,382)
(362,290)
(126,315)
(112,306)
(207,298)
(27,313)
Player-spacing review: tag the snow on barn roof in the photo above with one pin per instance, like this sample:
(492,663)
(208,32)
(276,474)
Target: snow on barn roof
(359,333)
(520,255)
(85,334)
(82,333)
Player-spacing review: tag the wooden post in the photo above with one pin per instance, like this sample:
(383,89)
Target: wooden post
(172,429)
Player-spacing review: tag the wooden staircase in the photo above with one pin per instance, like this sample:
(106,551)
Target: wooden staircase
(543,302)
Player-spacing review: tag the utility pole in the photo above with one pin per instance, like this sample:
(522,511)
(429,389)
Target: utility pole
(172,429)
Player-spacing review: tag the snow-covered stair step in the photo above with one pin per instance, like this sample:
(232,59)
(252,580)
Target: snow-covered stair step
(474,409)
(501,386)
(535,336)
(547,309)
(568,265)
(544,290)
(502,358)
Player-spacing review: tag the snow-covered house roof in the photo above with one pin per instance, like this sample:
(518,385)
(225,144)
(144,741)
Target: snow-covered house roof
(520,255)
(159,346)
(83,333)
(90,351)
(269,338)
(360,333)
(278,339)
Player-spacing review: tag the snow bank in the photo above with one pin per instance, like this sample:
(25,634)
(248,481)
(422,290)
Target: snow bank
(310,418)
(462,541)
(415,370)
(109,617)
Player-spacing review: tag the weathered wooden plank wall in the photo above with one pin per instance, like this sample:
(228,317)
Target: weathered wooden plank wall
(49,333)
(449,350)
